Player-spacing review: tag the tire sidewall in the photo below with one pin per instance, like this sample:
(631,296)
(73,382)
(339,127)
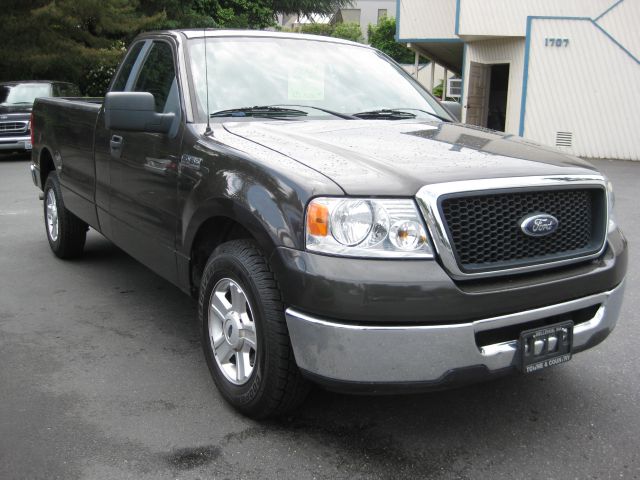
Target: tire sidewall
(243,396)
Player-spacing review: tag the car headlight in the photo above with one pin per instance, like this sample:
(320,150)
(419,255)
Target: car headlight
(611,201)
(363,227)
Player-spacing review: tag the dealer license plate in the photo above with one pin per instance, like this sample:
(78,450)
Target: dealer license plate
(546,346)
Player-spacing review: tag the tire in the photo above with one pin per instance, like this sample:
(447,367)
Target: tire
(269,383)
(66,233)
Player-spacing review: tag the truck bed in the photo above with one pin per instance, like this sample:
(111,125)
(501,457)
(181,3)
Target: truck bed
(67,128)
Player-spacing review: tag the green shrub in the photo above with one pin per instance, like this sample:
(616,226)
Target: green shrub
(348,31)
(317,29)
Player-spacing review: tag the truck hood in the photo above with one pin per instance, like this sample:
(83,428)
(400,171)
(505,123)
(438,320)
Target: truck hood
(13,109)
(397,158)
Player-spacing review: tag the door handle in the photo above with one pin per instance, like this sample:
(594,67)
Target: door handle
(116,145)
(116,142)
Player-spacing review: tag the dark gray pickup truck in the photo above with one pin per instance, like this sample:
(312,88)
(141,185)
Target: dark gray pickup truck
(334,223)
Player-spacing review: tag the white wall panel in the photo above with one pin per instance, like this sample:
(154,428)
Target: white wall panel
(509,17)
(511,51)
(427,19)
(622,22)
(588,88)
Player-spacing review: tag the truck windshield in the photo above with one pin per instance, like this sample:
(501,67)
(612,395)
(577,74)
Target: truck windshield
(347,79)
(23,93)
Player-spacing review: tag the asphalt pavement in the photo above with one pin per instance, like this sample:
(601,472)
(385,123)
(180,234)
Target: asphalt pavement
(102,377)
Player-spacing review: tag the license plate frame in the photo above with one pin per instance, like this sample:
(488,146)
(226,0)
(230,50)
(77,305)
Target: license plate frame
(538,350)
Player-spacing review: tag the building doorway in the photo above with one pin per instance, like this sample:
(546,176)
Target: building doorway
(487,98)
(498,90)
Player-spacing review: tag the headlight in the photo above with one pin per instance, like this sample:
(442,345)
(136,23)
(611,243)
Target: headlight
(362,227)
(611,201)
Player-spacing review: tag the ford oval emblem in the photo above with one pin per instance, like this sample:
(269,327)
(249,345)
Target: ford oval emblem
(539,225)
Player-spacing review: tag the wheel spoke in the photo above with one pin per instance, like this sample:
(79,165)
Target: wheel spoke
(249,335)
(238,300)
(224,352)
(242,362)
(220,305)
(218,341)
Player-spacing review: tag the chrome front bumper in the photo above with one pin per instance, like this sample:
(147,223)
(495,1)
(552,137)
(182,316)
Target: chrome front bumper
(428,354)
(22,142)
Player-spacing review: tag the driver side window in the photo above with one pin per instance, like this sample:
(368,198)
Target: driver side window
(158,76)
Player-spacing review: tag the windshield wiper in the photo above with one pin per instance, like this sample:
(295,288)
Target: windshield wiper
(346,116)
(263,111)
(444,119)
(385,114)
(396,114)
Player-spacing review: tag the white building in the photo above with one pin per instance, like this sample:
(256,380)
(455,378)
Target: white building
(562,72)
(365,13)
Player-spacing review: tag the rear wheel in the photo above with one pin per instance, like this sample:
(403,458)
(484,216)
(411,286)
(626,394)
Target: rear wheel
(66,232)
(244,333)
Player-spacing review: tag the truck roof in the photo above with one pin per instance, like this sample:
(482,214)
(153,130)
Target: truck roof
(218,33)
(18,82)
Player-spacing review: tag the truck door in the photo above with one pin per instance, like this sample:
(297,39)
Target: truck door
(144,169)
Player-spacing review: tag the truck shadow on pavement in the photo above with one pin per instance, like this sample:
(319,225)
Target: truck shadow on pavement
(15,157)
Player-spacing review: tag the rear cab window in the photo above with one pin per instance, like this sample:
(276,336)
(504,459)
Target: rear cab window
(120,82)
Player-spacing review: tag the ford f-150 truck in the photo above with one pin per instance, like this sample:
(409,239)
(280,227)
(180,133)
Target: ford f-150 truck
(16,102)
(334,223)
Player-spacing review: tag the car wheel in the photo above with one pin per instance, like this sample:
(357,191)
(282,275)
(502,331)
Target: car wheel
(244,333)
(66,232)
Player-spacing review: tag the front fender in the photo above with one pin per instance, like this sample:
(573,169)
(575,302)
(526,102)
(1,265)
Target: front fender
(259,188)
(258,213)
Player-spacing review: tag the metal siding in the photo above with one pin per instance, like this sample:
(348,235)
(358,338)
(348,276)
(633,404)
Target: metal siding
(622,23)
(427,19)
(589,88)
(509,51)
(509,17)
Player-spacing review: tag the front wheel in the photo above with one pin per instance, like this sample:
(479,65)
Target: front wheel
(244,333)
(66,232)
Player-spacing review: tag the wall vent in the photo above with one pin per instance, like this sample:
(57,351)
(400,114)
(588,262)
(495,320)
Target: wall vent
(564,139)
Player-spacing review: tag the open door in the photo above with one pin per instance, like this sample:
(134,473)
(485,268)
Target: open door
(477,107)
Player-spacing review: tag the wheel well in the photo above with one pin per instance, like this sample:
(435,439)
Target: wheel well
(46,166)
(212,233)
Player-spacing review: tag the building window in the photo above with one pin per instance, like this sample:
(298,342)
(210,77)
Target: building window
(382,13)
(350,15)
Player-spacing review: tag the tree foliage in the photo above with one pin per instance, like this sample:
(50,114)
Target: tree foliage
(347,31)
(66,39)
(382,37)
(82,41)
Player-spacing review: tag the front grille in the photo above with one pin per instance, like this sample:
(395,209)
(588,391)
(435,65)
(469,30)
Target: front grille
(13,127)
(485,232)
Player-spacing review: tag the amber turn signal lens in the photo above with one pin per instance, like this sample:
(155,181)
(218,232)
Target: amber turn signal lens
(318,219)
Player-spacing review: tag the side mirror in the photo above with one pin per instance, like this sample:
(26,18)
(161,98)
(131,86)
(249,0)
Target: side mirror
(135,112)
